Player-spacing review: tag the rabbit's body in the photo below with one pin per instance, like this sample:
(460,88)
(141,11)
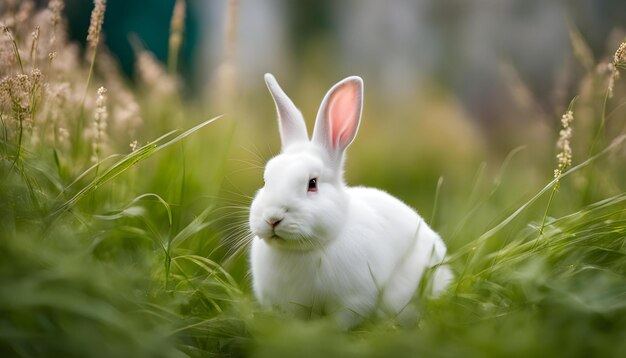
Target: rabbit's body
(358,271)
(322,247)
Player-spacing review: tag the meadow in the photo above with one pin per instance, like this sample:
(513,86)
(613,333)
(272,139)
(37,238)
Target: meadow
(123,211)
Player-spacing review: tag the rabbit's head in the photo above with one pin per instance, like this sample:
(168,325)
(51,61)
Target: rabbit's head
(303,203)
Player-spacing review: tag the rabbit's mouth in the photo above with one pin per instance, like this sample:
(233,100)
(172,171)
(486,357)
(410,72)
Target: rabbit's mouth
(270,236)
(288,244)
(275,237)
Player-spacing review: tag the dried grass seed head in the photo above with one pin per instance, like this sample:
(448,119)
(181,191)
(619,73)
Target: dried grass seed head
(619,61)
(620,54)
(177,24)
(25,11)
(152,74)
(56,8)
(95,25)
(7,56)
(99,124)
(564,157)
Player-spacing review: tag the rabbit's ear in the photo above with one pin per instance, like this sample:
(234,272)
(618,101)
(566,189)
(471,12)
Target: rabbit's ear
(290,121)
(339,116)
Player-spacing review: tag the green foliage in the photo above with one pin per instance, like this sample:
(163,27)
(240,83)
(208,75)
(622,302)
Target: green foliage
(143,253)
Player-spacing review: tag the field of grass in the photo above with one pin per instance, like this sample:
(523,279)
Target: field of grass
(123,215)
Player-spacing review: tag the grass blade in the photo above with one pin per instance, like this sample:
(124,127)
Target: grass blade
(127,162)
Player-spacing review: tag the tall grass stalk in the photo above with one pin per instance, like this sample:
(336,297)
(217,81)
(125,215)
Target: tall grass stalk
(177,28)
(93,40)
(436,201)
(128,161)
(472,246)
(564,159)
(16,50)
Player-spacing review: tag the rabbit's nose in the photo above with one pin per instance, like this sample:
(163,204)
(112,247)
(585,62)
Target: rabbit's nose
(273,221)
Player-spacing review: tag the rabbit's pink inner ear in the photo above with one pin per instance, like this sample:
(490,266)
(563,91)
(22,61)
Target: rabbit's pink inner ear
(343,115)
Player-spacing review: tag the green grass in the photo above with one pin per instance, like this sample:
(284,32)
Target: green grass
(143,253)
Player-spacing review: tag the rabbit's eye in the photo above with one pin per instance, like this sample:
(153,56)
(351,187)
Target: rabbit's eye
(313,184)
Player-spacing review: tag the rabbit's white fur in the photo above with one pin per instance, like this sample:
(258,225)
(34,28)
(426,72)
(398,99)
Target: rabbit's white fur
(347,251)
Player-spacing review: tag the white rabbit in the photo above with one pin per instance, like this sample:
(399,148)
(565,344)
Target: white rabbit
(322,247)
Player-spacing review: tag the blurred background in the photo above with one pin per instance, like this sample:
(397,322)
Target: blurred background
(400,47)
(451,88)
(450,85)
